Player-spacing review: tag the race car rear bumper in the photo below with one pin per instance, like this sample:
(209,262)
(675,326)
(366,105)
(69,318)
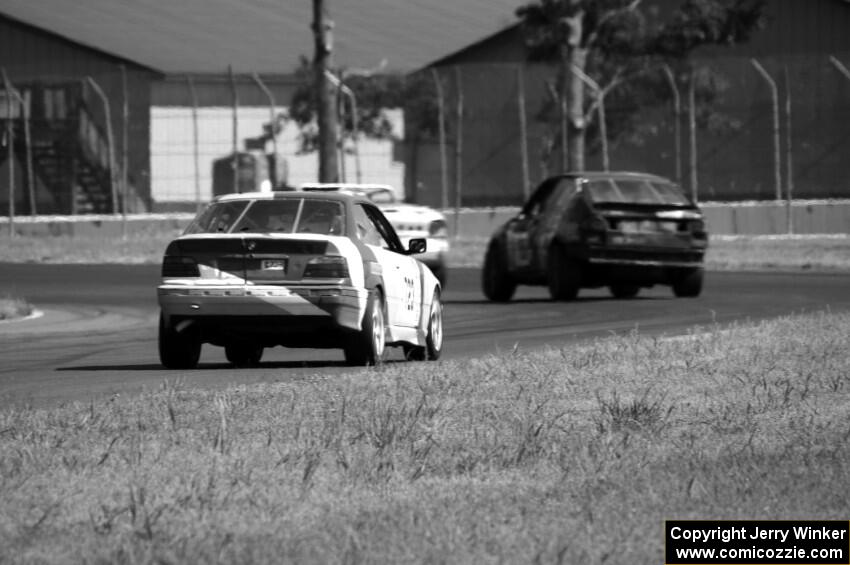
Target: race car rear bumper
(321,306)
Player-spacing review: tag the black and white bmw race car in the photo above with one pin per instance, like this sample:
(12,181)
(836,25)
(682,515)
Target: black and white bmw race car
(297,269)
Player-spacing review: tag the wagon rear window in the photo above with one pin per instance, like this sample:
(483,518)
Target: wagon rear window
(616,191)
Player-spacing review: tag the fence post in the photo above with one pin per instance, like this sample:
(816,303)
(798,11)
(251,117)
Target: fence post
(125,123)
(235,100)
(789,166)
(523,132)
(10,152)
(272,119)
(692,126)
(355,133)
(458,149)
(677,126)
(25,115)
(442,128)
(110,141)
(777,151)
(194,98)
(340,116)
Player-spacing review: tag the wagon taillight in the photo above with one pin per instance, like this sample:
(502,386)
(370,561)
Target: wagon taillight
(593,229)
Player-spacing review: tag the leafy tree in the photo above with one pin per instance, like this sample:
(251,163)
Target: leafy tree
(374,94)
(617,48)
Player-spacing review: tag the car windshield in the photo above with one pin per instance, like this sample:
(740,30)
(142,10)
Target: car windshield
(291,215)
(630,191)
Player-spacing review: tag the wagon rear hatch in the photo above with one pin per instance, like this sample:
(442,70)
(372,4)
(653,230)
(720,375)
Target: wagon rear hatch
(644,213)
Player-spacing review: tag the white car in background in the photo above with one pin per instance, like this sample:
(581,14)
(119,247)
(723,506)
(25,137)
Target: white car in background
(410,221)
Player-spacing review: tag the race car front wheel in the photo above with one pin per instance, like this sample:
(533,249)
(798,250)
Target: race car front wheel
(496,283)
(367,347)
(178,349)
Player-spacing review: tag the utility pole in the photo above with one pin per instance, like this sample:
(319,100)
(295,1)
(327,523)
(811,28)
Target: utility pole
(325,94)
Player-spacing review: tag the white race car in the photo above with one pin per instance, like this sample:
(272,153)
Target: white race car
(409,220)
(297,269)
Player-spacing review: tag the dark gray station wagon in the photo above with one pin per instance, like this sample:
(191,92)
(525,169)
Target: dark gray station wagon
(622,230)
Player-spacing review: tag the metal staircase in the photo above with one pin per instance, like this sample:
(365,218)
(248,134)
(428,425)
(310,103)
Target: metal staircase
(70,156)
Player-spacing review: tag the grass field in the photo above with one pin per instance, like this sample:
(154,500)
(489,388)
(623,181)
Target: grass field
(572,455)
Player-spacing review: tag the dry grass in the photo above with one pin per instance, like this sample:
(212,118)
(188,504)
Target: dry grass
(11,307)
(140,246)
(571,455)
(780,252)
(724,253)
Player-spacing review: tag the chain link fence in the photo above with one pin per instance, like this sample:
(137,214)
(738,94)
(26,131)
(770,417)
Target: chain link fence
(750,129)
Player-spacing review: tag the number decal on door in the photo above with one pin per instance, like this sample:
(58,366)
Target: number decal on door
(409,301)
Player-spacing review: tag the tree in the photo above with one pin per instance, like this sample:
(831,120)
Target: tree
(618,45)
(375,93)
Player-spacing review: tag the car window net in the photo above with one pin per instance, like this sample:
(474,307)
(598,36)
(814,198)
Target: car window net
(611,191)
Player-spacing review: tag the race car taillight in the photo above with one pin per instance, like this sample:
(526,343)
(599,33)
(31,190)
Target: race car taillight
(593,229)
(179,266)
(438,228)
(326,267)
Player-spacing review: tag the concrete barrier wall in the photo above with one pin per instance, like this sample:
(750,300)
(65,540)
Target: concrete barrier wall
(721,218)
(809,217)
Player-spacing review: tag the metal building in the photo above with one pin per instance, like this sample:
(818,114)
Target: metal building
(87,130)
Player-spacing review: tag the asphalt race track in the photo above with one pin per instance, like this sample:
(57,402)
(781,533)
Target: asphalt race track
(97,337)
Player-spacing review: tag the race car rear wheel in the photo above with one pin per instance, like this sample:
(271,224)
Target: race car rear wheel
(564,275)
(178,349)
(368,346)
(434,338)
(243,354)
(688,283)
(624,290)
(496,283)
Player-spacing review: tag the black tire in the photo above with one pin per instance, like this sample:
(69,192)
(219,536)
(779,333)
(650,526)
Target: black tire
(624,290)
(178,350)
(496,283)
(368,346)
(564,275)
(688,283)
(433,339)
(243,355)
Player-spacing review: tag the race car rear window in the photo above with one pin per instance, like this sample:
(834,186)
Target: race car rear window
(272,216)
(218,217)
(617,191)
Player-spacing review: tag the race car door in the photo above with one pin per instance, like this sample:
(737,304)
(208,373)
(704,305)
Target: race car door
(522,233)
(402,283)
